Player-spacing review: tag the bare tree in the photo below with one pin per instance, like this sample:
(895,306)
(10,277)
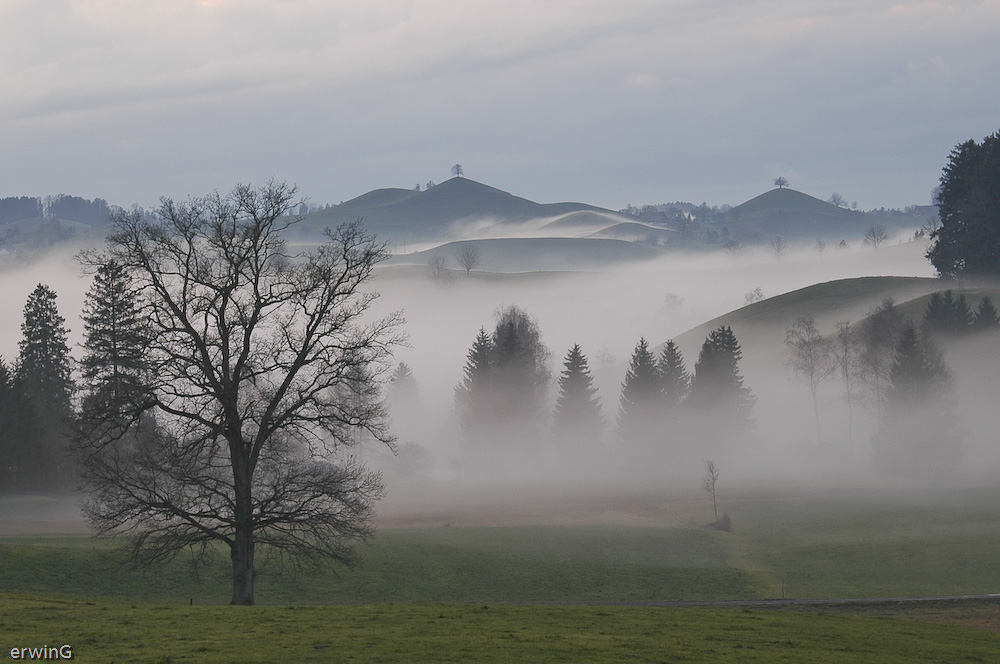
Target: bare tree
(820,247)
(709,481)
(847,361)
(811,358)
(780,182)
(437,266)
(875,236)
(777,247)
(469,257)
(457,170)
(733,247)
(838,200)
(260,370)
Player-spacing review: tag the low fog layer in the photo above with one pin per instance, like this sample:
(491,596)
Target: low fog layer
(607,312)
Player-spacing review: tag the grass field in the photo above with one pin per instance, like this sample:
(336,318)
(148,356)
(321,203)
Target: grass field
(118,632)
(550,592)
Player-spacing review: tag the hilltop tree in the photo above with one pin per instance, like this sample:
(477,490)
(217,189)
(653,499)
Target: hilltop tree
(577,416)
(875,236)
(457,170)
(260,371)
(967,242)
(811,358)
(469,257)
(717,385)
(780,182)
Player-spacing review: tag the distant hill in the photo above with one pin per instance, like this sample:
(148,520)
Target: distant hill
(799,217)
(402,215)
(763,323)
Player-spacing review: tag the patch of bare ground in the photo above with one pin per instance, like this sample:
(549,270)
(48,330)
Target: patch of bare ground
(427,505)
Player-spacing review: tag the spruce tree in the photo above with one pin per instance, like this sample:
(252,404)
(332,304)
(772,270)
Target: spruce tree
(20,463)
(577,416)
(43,371)
(473,395)
(114,365)
(641,397)
(919,433)
(674,378)
(986,316)
(717,385)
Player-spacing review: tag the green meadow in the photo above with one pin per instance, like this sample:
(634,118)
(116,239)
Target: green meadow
(550,592)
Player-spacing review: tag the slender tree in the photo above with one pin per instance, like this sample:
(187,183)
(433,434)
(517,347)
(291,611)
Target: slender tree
(44,373)
(986,316)
(641,397)
(577,416)
(469,257)
(473,397)
(260,370)
(717,385)
(709,482)
(674,378)
(878,335)
(846,354)
(811,359)
(919,433)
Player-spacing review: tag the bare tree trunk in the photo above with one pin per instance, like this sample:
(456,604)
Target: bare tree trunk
(819,434)
(243,572)
(242,549)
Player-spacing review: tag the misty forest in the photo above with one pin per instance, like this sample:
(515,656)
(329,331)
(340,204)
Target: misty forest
(251,382)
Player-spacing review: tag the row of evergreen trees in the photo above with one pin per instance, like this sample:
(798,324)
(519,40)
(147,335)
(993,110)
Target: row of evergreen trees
(502,401)
(38,392)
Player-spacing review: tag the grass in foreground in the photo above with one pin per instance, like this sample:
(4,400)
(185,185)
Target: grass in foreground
(119,632)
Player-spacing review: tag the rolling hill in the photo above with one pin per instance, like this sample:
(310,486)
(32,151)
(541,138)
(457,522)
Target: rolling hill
(799,217)
(402,215)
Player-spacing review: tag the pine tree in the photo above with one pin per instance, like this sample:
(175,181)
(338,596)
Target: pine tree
(919,433)
(44,362)
(577,415)
(20,463)
(947,315)
(114,364)
(674,378)
(717,385)
(986,316)
(43,371)
(641,397)
(473,395)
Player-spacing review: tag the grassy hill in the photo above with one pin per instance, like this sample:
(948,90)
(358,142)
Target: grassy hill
(797,216)
(408,215)
(828,303)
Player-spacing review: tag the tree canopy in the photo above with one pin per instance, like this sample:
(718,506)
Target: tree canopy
(261,370)
(967,242)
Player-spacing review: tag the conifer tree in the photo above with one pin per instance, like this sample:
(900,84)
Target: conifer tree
(577,416)
(674,378)
(717,385)
(986,316)
(919,433)
(473,395)
(947,315)
(114,365)
(20,463)
(43,371)
(44,362)
(641,397)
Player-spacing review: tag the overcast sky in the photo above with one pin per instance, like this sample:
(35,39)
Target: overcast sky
(600,101)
